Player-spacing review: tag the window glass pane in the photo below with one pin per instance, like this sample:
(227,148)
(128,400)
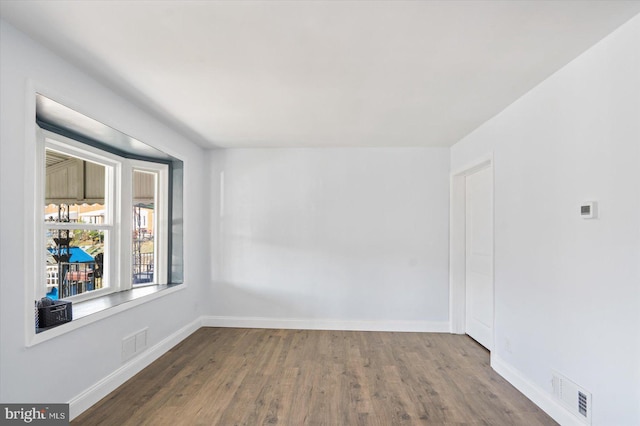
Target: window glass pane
(75,192)
(74,189)
(76,213)
(74,261)
(144,227)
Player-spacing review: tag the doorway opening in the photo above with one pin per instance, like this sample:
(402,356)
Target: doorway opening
(471,252)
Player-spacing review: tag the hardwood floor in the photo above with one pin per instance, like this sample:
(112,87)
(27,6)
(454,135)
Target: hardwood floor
(224,376)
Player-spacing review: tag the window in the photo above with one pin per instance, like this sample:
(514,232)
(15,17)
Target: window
(149,224)
(105,221)
(78,220)
(107,224)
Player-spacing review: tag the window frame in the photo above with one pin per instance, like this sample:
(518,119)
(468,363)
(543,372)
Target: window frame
(118,214)
(113,179)
(160,219)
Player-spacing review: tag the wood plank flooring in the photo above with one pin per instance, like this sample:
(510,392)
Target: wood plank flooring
(225,376)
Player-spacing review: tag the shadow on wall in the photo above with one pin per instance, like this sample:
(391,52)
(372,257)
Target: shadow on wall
(391,281)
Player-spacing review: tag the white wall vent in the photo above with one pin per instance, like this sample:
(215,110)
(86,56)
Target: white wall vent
(134,344)
(572,397)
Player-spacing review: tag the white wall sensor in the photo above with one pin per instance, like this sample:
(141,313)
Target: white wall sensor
(589,210)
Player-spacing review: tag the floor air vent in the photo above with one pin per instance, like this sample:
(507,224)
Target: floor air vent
(573,397)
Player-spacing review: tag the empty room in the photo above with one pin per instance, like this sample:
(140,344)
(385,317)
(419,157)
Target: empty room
(320,212)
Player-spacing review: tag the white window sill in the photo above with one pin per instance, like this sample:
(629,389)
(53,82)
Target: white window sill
(92,310)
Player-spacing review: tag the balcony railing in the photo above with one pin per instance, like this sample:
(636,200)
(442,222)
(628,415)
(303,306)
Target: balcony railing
(142,268)
(77,278)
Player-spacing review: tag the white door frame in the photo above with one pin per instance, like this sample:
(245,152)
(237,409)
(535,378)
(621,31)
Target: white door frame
(457,242)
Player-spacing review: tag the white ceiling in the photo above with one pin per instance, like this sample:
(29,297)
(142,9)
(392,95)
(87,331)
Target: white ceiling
(320,73)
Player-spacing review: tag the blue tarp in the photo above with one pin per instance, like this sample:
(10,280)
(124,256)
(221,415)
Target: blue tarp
(78,255)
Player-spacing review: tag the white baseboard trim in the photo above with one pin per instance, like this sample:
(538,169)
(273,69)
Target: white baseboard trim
(99,390)
(325,324)
(537,395)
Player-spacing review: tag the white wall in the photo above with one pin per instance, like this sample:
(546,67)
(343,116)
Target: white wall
(568,289)
(352,238)
(62,368)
